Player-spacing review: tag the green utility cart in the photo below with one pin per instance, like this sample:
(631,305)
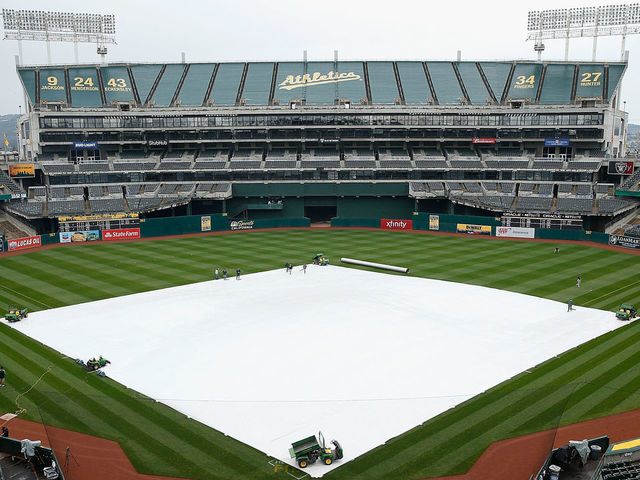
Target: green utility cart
(310,449)
(16,313)
(626,311)
(320,259)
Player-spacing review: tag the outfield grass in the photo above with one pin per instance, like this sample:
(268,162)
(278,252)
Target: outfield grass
(161,441)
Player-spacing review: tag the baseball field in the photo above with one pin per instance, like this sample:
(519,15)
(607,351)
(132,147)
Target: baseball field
(595,379)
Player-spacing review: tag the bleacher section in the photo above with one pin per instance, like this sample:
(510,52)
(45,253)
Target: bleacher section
(574,205)
(534,204)
(613,205)
(360,158)
(320,158)
(9,187)
(53,168)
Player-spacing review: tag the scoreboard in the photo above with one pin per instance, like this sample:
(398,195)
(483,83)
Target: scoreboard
(98,222)
(542,220)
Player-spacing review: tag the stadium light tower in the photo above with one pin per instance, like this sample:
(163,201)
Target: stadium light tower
(567,23)
(38,25)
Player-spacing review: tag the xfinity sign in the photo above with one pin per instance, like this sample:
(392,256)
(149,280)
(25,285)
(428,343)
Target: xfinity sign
(394,224)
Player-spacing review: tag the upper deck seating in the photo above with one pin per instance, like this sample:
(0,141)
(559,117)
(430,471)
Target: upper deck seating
(612,204)
(466,163)
(102,205)
(547,164)
(244,164)
(574,204)
(401,164)
(583,165)
(53,168)
(94,167)
(133,166)
(534,203)
(180,165)
(431,163)
(66,207)
(30,208)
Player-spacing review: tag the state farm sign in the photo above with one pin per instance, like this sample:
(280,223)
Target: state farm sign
(121,234)
(392,224)
(22,243)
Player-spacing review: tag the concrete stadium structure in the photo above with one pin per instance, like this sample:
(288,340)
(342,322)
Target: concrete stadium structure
(321,140)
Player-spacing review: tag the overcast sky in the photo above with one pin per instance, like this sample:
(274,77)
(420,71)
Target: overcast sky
(155,31)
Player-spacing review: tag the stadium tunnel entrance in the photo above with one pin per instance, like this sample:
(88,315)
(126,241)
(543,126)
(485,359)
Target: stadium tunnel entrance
(320,214)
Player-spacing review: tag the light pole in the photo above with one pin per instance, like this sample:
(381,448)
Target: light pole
(42,26)
(566,23)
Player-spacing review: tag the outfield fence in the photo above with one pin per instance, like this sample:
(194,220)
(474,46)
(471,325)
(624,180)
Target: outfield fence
(420,221)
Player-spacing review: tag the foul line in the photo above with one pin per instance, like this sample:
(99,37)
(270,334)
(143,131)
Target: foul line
(610,293)
(25,296)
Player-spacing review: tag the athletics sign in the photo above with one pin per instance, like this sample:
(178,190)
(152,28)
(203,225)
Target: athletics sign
(624,241)
(22,243)
(316,78)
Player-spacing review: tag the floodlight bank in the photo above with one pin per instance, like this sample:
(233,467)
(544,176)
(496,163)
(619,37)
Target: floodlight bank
(381,266)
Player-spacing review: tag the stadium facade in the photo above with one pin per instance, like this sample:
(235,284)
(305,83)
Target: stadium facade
(345,139)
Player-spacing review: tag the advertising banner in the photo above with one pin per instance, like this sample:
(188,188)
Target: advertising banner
(98,216)
(556,142)
(85,145)
(80,236)
(624,241)
(473,229)
(393,224)
(484,140)
(434,222)
(22,170)
(620,167)
(1,243)
(516,232)
(205,223)
(242,225)
(23,243)
(120,234)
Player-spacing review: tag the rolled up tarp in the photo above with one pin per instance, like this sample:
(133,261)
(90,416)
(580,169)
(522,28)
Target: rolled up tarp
(381,266)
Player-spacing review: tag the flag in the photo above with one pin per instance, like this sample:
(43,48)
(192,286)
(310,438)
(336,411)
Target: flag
(6,142)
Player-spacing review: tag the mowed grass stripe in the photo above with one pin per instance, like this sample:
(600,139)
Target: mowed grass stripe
(456,425)
(98,407)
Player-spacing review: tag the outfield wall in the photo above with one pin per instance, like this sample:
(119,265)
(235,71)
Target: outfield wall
(447,223)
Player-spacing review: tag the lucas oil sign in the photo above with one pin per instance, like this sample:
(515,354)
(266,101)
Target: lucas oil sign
(22,243)
(392,224)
